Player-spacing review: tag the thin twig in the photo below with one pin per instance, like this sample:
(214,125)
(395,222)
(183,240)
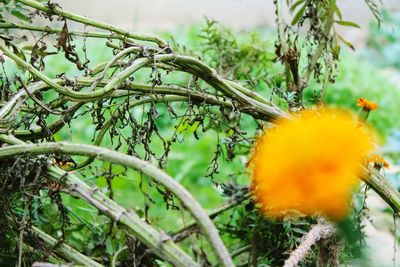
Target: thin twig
(37,101)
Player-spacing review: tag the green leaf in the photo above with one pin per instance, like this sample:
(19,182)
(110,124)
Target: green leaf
(338,12)
(298,15)
(348,23)
(19,53)
(109,246)
(347,43)
(299,231)
(18,14)
(295,5)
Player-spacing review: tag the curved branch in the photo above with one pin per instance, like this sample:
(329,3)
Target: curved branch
(10,110)
(188,64)
(142,166)
(64,250)
(110,63)
(159,243)
(80,96)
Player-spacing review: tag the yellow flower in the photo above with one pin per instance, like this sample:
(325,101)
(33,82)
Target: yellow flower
(378,162)
(309,164)
(366,104)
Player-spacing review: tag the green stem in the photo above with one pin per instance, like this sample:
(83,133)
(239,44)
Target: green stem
(115,257)
(80,96)
(382,186)
(110,63)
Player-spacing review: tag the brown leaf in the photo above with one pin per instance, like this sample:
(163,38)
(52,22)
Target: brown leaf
(63,37)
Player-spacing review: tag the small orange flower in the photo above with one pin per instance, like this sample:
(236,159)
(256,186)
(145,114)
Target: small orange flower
(366,104)
(378,161)
(309,164)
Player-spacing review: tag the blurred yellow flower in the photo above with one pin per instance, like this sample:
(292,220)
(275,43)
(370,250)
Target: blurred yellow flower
(366,104)
(309,164)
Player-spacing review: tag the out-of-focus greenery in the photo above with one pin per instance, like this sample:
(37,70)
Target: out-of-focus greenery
(384,41)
